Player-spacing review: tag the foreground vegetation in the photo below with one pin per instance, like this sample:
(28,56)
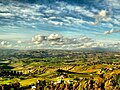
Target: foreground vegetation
(59,70)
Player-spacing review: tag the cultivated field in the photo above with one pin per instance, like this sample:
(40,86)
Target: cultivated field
(59,70)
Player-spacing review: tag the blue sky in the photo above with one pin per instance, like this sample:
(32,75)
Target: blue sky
(71,24)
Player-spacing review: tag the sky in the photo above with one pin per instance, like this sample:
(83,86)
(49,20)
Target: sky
(60,24)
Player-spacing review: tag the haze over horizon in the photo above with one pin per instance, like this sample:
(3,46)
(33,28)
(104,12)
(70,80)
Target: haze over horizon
(60,24)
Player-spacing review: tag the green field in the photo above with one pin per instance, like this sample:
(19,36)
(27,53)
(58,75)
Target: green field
(27,67)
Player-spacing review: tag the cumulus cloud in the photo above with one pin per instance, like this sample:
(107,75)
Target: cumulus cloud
(102,16)
(38,39)
(73,43)
(56,43)
(92,45)
(103,13)
(5,44)
(114,45)
(54,37)
(19,42)
(85,39)
(111,31)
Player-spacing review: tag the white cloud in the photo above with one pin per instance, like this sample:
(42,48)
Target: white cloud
(78,9)
(72,20)
(70,41)
(111,31)
(19,42)
(45,14)
(5,44)
(51,11)
(56,43)
(59,14)
(85,39)
(116,21)
(53,17)
(55,22)
(107,32)
(113,3)
(38,39)
(54,37)
(103,15)
(6,15)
